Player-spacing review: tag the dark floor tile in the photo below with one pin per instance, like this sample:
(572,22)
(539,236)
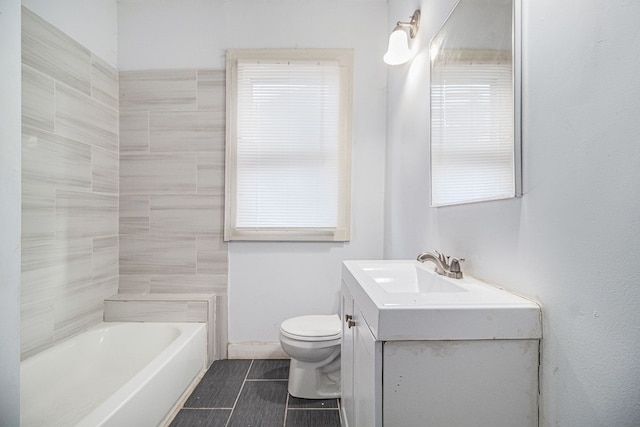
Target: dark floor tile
(220,385)
(201,417)
(297,403)
(261,403)
(313,418)
(272,369)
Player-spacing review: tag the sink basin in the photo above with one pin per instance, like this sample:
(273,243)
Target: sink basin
(407,300)
(408,278)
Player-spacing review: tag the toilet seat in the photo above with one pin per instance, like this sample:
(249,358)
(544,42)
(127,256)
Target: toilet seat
(312,328)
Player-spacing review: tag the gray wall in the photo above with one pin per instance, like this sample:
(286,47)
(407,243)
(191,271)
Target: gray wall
(10,213)
(573,240)
(69,185)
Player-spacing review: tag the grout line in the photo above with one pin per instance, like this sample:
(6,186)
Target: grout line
(286,409)
(239,393)
(312,409)
(197,79)
(205,409)
(91,77)
(148,132)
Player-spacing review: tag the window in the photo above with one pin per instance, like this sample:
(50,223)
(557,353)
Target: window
(288,144)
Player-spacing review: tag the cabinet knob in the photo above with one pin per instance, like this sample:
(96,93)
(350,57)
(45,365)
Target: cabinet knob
(351,324)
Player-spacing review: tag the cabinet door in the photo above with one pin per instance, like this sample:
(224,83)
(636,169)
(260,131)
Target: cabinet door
(346,360)
(367,375)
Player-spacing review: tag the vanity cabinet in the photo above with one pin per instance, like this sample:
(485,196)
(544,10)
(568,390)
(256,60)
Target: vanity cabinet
(395,380)
(361,360)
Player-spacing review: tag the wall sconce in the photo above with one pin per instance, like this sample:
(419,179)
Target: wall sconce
(398,51)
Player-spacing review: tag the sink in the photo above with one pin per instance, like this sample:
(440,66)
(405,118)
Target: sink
(408,278)
(407,300)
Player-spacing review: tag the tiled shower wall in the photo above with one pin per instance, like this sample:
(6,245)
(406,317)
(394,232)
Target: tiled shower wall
(69,185)
(172,182)
(143,215)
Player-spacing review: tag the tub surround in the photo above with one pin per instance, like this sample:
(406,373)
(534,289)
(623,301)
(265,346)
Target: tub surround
(173,261)
(209,309)
(122,193)
(172,182)
(69,185)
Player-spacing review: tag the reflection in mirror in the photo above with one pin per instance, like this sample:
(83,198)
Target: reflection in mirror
(475,104)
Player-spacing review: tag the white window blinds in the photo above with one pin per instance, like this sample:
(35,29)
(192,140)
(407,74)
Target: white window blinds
(287,170)
(472,145)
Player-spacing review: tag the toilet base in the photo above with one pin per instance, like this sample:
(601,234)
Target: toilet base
(307,381)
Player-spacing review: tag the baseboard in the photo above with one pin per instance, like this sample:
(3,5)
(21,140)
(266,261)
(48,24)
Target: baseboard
(256,350)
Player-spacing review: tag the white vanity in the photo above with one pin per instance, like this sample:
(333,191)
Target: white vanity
(420,349)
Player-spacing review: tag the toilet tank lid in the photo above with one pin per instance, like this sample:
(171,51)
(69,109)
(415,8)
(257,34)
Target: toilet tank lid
(313,326)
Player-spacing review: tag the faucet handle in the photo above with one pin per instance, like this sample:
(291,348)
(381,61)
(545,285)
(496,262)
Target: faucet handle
(454,266)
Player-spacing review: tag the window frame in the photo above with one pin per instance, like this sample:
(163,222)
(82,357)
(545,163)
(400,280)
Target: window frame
(341,232)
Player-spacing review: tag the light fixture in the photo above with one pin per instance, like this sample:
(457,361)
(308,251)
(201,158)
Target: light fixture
(398,51)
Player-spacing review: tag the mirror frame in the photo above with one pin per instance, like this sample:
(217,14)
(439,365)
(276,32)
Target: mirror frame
(516,45)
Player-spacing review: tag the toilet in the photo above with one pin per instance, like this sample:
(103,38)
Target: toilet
(313,342)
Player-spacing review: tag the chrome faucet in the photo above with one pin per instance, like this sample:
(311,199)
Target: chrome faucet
(445,265)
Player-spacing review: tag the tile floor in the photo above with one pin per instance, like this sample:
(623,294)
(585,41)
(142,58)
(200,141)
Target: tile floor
(252,393)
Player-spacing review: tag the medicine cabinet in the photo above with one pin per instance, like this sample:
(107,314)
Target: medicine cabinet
(475,104)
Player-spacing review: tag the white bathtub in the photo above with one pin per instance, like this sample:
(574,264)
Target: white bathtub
(116,374)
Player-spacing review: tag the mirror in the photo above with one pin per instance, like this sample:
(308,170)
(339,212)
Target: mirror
(475,104)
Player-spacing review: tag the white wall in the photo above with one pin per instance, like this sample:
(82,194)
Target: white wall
(573,240)
(10,213)
(93,24)
(269,282)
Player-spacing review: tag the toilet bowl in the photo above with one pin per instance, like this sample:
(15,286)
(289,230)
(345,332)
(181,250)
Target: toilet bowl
(313,342)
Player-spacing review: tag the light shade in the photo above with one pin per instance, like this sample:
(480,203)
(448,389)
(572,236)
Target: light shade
(398,51)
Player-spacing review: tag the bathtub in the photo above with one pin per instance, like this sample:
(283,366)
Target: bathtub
(116,374)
